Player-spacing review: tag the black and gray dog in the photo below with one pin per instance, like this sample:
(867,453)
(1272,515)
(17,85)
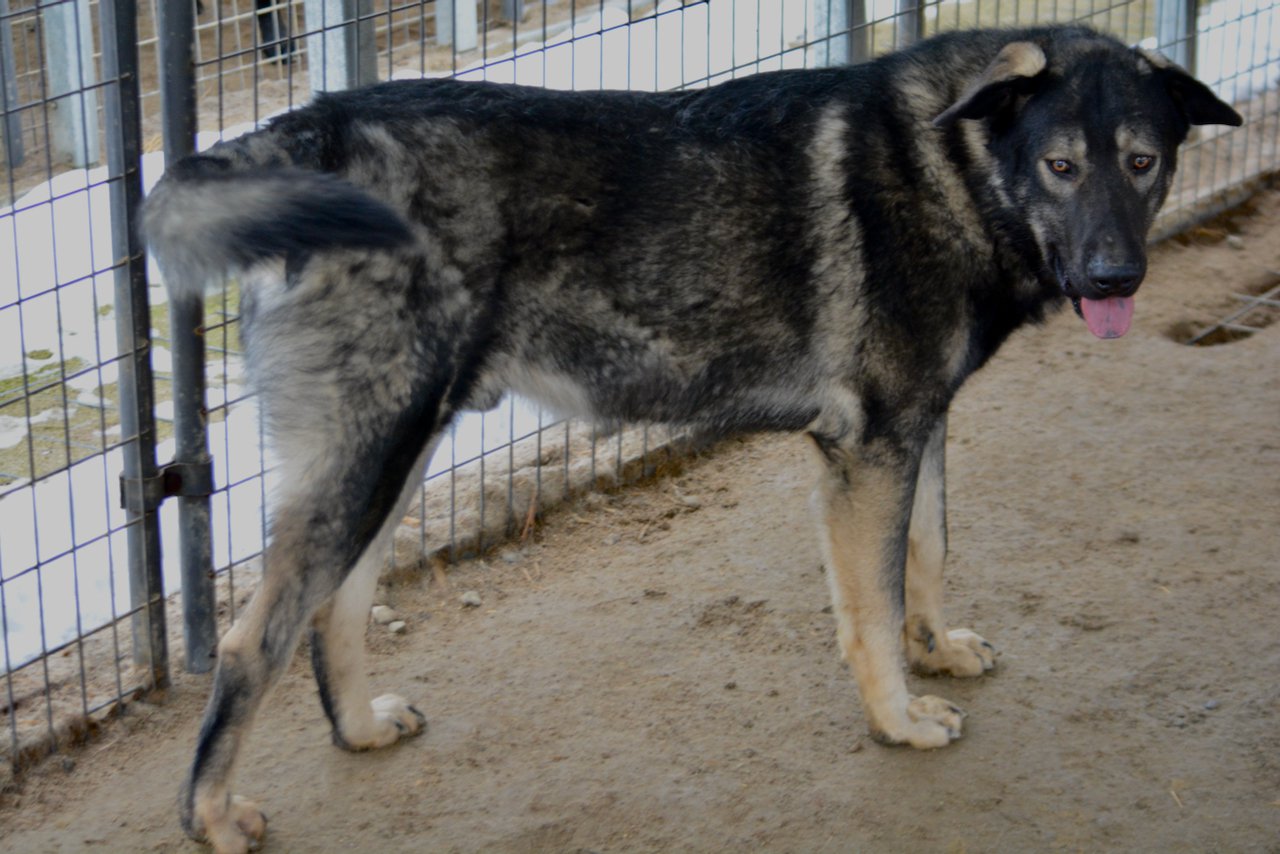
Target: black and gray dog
(831,251)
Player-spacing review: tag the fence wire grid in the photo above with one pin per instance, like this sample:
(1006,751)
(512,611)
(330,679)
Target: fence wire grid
(89,346)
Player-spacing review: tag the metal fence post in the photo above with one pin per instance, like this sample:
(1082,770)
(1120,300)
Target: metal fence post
(12,129)
(457,24)
(908,26)
(829,22)
(342,48)
(1176,31)
(122,114)
(68,40)
(859,31)
(840,32)
(192,465)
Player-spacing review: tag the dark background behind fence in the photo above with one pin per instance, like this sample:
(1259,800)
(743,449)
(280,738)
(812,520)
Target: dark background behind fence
(112,399)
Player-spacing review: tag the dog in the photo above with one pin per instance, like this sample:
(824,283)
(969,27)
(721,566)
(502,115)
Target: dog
(831,251)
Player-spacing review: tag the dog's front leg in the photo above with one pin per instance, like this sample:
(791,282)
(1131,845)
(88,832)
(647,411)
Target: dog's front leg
(864,504)
(931,647)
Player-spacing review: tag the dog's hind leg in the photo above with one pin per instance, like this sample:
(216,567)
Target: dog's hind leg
(931,648)
(361,722)
(341,485)
(864,505)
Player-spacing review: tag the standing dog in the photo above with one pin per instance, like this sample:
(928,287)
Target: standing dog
(830,250)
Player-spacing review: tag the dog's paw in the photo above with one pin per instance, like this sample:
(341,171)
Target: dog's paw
(929,722)
(391,718)
(235,828)
(960,653)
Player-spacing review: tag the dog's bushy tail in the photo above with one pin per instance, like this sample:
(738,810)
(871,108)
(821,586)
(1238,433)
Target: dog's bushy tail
(205,218)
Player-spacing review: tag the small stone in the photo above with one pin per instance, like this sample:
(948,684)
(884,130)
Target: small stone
(691,502)
(1211,705)
(383,614)
(1235,241)
(397,627)
(510,555)
(471,599)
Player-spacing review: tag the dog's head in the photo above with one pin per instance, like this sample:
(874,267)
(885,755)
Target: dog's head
(1083,134)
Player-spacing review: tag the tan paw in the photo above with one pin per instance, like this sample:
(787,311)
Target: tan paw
(929,722)
(391,718)
(236,829)
(960,653)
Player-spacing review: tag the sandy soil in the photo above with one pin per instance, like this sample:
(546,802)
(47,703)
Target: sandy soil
(654,669)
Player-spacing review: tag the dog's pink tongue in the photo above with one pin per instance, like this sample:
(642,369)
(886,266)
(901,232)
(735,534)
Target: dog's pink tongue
(1108,318)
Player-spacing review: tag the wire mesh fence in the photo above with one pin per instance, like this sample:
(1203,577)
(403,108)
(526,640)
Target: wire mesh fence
(88,397)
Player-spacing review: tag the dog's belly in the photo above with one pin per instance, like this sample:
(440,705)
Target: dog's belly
(718,404)
(558,392)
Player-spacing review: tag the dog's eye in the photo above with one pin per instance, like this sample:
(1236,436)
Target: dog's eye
(1142,162)
(1061,167)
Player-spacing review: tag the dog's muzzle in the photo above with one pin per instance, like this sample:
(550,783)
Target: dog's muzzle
(1107,308)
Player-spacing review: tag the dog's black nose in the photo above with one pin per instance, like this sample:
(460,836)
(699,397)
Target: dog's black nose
(1115,279)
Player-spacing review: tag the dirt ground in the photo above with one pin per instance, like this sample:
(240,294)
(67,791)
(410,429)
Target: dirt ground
(655,669)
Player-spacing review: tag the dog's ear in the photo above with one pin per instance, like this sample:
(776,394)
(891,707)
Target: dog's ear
(1015,65)
(1196,101)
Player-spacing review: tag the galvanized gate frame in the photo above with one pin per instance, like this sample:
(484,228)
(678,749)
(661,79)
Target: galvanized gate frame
(122,113)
